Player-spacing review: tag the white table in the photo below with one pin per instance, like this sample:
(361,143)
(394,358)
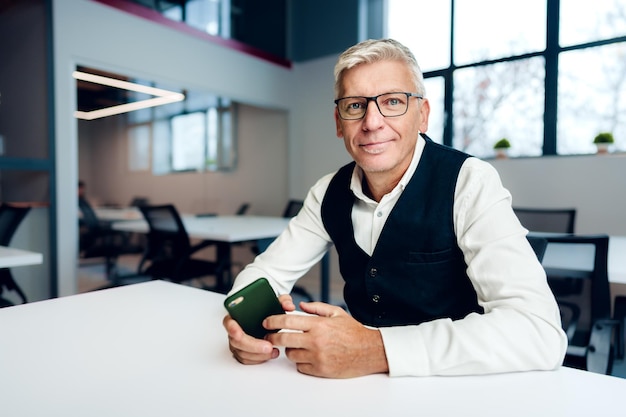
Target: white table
(110,214)
(579,257)
(159,349)
(11,257)
(220,228)
(224,231)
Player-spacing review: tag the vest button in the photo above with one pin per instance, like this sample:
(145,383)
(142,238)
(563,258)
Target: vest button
(376,298)
(373,272)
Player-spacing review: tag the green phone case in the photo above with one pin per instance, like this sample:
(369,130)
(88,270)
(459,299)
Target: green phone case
(251,305)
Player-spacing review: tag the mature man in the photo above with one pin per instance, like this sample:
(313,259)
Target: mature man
(439,276)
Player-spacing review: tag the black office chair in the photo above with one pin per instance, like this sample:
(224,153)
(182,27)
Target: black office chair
(169,252)
(552,220)
(139,201)
(243,209)
(539,245)
(292,208)
(586,317)
(547,220)
(98,240)
(10,219)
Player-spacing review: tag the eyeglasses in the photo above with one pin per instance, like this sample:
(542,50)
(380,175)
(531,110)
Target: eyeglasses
(389,105)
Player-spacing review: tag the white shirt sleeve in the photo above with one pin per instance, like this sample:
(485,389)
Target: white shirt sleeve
(520,328)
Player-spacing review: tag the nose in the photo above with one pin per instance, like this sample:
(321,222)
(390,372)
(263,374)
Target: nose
(373,118)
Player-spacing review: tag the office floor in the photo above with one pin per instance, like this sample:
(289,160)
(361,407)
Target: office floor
(91,277)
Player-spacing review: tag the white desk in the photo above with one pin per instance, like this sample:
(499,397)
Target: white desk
(159,349)
(110,214)
(571,256)
(10,257)
(220,228)
(224,231)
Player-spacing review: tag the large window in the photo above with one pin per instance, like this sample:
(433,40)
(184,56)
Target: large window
(199,136)
(546,74)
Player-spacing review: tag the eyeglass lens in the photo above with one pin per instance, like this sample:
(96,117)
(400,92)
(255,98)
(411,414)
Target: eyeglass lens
(389,105)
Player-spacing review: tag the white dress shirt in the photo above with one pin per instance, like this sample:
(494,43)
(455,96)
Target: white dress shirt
(520,328)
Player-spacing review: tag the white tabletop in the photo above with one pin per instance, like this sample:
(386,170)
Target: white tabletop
(220,228)
(580,257)
(159,349)
(118,214)
(10,257)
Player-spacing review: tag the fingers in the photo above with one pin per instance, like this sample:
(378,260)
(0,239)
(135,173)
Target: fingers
(245,348)
(286,302)
(321,309)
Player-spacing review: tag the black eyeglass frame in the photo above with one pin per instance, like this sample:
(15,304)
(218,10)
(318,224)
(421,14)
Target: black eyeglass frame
(375,100)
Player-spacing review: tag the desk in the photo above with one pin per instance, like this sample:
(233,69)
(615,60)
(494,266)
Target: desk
(109,214)
(570,256)
(224,230)
(159,349)
(10,257)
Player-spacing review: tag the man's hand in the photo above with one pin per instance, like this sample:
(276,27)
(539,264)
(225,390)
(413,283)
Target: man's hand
(329,342)
(247,349)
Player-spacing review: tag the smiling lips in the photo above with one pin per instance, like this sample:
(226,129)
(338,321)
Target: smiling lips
(375,147)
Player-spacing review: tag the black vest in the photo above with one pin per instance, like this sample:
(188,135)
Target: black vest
(416,272)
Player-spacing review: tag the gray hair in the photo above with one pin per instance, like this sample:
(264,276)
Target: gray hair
(374,50)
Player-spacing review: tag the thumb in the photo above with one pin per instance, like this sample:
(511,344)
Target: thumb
(320,309)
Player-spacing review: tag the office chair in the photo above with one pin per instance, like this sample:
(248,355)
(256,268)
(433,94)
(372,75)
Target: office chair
(139,201)
(10,219)
(169,251)
(292,208)
(243,209)
(586,317)
(539,245)
(98,240)
(547,220)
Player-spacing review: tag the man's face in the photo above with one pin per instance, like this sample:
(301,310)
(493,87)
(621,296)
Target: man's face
(381,144)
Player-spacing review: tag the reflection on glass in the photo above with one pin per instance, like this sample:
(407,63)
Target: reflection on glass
(592,98)
(424,27)
(491,29)
(582,22)
(435,88)
(496,101)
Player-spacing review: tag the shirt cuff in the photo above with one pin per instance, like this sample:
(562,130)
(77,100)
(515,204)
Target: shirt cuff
(405,351)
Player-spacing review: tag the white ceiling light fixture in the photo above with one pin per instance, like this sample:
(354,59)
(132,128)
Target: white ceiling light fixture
(161,96)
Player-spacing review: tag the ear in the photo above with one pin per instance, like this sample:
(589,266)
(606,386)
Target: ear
(424,113)
(338,124)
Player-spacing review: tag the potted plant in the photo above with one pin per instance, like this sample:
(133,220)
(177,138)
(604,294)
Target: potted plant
(501,147)
(602,141)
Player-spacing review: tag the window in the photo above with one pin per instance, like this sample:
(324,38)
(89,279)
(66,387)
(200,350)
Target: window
(139,148)
(509,73)
(202,140)
(502,100)
(492,29)
(592,97)
(188,140)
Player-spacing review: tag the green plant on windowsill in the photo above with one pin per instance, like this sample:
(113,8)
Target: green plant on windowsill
(501,147)
(502,144)
(603,140)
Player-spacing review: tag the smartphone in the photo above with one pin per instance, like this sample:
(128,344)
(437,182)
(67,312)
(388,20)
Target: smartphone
(251,305)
